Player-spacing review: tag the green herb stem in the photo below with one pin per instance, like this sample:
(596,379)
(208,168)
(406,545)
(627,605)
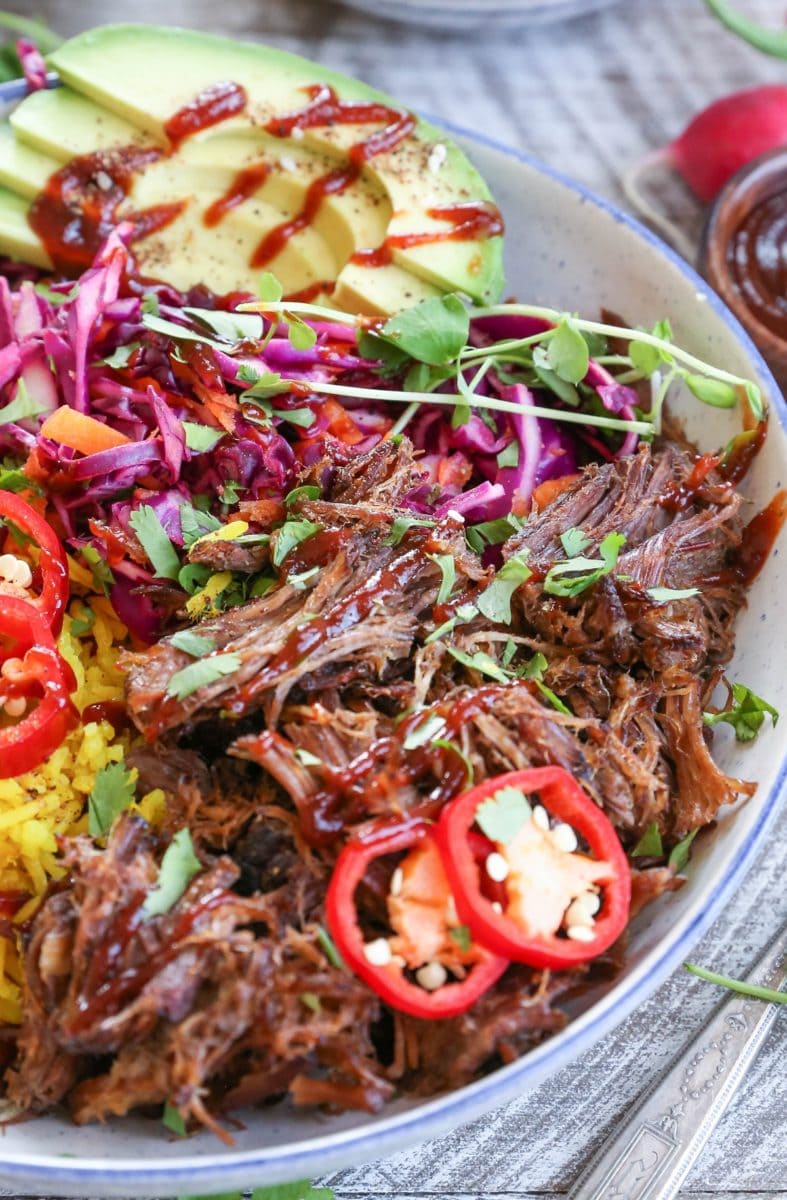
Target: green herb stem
(738,985)
(490,402)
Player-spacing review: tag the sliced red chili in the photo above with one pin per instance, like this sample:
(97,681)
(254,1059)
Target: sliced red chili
(537,875)
(39,675)
(53,597)
(390,980)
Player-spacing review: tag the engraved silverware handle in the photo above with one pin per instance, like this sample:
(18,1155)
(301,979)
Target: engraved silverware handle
(649,1156)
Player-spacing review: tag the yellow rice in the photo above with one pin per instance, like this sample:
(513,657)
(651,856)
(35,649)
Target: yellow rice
(37,807)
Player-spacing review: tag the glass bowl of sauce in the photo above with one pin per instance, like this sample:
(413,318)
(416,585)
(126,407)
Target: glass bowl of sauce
(744,253)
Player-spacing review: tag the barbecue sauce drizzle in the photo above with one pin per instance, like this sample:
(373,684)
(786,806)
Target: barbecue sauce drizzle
(79,204)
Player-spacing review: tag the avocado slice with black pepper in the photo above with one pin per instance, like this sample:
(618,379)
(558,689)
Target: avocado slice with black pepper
(409,217)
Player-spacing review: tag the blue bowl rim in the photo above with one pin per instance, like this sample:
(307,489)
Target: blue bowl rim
(306,1159)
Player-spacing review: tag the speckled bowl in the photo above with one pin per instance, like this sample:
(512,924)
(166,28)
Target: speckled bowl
(569,249)
(459,15)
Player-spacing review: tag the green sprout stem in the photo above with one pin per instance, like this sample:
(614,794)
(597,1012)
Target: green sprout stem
(738,985)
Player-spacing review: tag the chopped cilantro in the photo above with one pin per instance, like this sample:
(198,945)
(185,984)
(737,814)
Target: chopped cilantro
(307,491)
(172,1120)
(746,713)
(84,622)
(650,844)
(495,601)
(663,595)
(502,815)
(574,576)
(304,418)
(425,732)
(681,853)
(448,572)
(178,867)
(13,479)
(492,533)
(400,527)
(200,438)
(201,674)
(509,455)
(121,356)
(154,541)
(460,934)
(301,578)
(574,542)
(292,533)
(195,523)
(481,662)
(192,643)
(99,569)
(329,947)
(311,1000)
(113,791)
(22,407)
(463,614)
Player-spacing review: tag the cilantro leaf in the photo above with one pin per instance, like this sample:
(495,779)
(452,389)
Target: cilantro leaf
(746,713)
(650,844)
(84,622)
(13,479)
(121,356)
(509,455)
(311,1001)
(492,533)
(400,527)
(99,569)
(200,438)
(178,867)
(201,674)
(535,668)
(502,815)
(425,732)
(172,1120)
(192,643)
(663,595)
(113,790)
(681,853)
(304,418)
(573,577)
(460,934)
(195,523)
(495,600)
(306,491)
(448,572)
(481,662)
(22,407)
(433,332)
(574,542)
(154,541)
(567,352)
(292,533)
(329,947)
(463,614)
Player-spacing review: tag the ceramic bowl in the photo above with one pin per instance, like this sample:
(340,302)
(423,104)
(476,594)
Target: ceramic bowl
(458,15)
(569,249)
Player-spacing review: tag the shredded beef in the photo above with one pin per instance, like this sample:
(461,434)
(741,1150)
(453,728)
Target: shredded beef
(229,999)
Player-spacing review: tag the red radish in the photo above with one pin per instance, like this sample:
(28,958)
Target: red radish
(715,144)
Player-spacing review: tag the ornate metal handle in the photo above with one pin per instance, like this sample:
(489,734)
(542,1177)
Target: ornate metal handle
(650,1155)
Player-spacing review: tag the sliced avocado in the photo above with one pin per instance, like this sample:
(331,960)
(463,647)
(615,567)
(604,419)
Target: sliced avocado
(145,75)
(17,239)
(22,169)
(62,123)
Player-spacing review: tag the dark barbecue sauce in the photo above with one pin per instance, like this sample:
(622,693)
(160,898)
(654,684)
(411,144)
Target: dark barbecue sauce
(759,537)
(756,256)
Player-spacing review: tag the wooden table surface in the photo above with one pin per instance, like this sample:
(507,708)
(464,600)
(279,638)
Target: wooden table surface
(588,97)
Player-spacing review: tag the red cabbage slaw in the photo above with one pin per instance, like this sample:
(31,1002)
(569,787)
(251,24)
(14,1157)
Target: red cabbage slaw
(172,373)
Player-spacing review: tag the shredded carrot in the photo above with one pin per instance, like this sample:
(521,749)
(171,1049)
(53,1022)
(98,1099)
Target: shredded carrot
(81,432)
(340,423)
(550,489)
